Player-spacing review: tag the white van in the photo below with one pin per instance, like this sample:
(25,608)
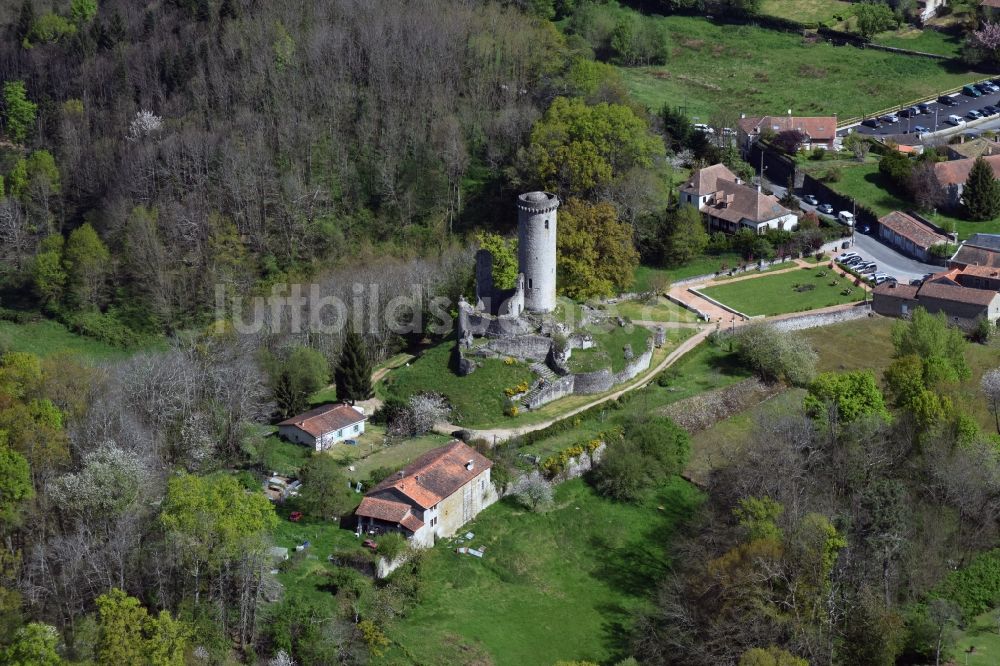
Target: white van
(955,120)
(846,217)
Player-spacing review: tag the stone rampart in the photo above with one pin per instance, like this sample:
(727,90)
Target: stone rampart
(598,381)
(553,390)
(533,347)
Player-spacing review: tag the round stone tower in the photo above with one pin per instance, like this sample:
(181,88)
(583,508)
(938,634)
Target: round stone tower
(536,249)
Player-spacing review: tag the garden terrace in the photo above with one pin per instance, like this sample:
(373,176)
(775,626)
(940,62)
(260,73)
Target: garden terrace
(794,291)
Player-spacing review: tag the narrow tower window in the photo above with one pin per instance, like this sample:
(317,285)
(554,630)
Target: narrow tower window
(529,283)
(546,223)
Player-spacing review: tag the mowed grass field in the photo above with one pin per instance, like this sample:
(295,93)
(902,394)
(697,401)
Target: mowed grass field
(747,69)
(926,40)
(561,585)
(806,11)
(780,293)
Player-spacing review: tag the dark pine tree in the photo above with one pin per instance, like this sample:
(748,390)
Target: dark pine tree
(25,19)
(982,192)
(353,374)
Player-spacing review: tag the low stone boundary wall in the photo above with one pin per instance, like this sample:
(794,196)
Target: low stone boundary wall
(687,306)
(554,390)
(639,364)
(702,411)
(822,319)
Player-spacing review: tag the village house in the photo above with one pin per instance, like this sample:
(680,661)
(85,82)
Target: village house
(951,176)
(973,148)
(962,306)
(909,235)
(729,205)
(977,250)
(928,9)
(322,427)
(432,497)
(820,131)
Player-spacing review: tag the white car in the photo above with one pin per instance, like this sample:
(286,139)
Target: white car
(847,255)
(810,199)
(955,120)
(846,217)
(703,128)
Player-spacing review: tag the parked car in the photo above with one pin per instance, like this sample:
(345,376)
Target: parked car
(889,118)
(728,131)
(910,112)
(867,268)
(971,91)
(920,129)
(983,88)
(955,120)
(989,110)
(925,107)
(947,100)
(872,122)
(810,199)
(825,208)
(974,115)
(703,128)
(854,261)
(295,516)
(846,217)
(846,255)
(368,543)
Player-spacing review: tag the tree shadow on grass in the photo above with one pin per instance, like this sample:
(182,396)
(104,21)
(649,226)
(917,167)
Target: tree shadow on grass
(637,564)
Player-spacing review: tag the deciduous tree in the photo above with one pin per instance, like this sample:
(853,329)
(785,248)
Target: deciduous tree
(326,493)
(596,255)
(19,111)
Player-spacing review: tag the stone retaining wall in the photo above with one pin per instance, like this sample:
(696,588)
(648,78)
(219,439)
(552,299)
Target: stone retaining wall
(533,347)
(554,390)
(822,319)
(597,381)
(637,365)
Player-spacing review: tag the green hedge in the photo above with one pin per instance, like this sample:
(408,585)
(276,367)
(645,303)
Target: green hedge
(976,587)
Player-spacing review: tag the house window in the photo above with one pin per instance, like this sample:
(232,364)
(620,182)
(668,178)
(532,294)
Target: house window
(357,427)
(340,433)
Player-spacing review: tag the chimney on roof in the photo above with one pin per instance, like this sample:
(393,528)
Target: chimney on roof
(469,465)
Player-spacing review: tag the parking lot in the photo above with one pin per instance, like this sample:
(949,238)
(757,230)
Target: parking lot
(889,261)
(936,117)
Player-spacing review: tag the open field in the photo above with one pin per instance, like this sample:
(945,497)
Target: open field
(47,337)
(746,69)
(558,585)
(795,291)
(927,40)
(867,186)
(709,264)
(806,11)
(983,635)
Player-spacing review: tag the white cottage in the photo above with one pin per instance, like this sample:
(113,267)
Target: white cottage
(324,426)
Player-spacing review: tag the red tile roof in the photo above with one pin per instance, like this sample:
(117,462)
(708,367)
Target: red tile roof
(948,292)
(390,511)
(328,418)
(955,172)
(436,474)
(911,229)
(705,181)
(817,128)
(896,290)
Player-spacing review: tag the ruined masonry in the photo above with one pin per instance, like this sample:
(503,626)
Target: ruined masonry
(520,322)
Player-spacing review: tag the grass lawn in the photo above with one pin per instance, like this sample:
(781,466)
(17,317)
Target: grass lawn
(806,11)
(561,585)
(476,399)
(659,310)
(608,348)
(927,40)
(282,456)
(371,453)
(777,294)
(709,264)
(47,337)
(747,69)
(864,183)
(982,633)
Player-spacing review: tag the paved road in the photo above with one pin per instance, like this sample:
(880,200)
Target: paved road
(937,116)
(889,261)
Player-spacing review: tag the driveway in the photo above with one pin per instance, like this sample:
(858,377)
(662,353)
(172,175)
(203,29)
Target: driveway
(889,261)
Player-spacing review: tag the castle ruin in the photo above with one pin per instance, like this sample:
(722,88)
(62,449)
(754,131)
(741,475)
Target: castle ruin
(520,322)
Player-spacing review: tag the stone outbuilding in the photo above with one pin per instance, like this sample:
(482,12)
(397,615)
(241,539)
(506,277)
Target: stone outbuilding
(432,497)
(909,235)
(963,306)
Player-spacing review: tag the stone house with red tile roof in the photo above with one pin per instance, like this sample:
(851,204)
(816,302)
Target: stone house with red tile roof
(963,306)
(432,497)
(909,235)
(324,426)
(977,250)
(820,131)
(729,205)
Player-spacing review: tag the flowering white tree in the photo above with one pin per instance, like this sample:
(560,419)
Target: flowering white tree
(991,389)
(428,409)
(281,659)
(145,123)
(984,43)
(533,491)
